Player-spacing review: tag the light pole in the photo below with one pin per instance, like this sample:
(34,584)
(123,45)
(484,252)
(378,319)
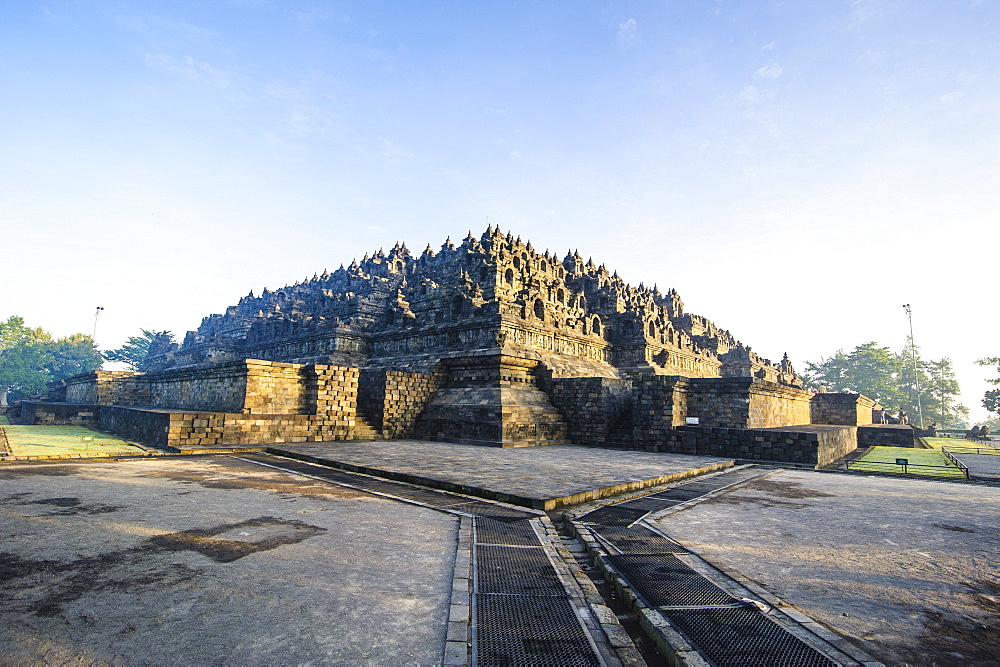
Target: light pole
(913,356)
(944,405)
(96,313)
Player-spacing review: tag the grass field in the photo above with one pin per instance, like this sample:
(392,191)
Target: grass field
(960,445)
(4,421)
(938,443)
(64,441)
(878,457)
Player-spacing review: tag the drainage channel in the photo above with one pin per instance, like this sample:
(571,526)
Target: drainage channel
(724,627)
(521,613)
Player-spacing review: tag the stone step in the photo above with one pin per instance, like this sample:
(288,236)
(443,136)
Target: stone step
(364,431)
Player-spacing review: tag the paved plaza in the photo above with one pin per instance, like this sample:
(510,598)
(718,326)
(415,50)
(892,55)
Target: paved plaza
(214,560)
(542,477)
(905,567)
(982,466)
(229,559)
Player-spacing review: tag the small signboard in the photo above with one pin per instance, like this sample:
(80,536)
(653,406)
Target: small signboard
(692,421)
(902,462)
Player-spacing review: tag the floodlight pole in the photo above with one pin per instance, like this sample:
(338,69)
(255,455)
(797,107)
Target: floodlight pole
(913,356)
(96,313)
(944,405)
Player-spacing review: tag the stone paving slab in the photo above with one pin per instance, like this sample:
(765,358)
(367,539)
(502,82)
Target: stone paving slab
(213,560)
(539,477)
(905,568)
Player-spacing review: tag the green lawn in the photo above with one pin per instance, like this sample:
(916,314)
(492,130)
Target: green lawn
(4,421)
(938,443)
(878,457)
(959,445)
(64,441)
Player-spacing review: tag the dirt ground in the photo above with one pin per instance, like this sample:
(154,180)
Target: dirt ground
(215,560)
(907,568)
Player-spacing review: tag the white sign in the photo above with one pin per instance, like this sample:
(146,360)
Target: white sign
(692,421)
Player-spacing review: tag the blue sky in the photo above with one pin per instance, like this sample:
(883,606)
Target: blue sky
(797,170)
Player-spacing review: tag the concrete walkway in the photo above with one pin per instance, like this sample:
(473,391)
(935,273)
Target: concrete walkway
(539,477)
(982,466)
(903,567)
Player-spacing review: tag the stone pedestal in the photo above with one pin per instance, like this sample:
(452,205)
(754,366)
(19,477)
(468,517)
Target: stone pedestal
(491,399)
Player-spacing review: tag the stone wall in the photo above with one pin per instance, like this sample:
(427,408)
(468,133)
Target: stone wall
(219,388)
(654,406)
(250,386)
(847,409)
(406,394)
(740,402)
(103,388)
(887,435)
(807,445)
(589,405)
(150,427)
(40,413)
(180,428)
(244,402)
(391,401)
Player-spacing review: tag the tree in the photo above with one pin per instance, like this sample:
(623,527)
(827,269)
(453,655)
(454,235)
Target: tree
(73,355)
(133,352)
(869,369)
(991,399)
(889,378)
(29,358)
(21,357)
(940,392)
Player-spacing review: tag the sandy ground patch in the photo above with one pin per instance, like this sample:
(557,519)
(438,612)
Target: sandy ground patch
(215,560)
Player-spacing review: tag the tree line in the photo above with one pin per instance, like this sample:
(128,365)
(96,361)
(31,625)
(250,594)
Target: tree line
(894,379)
(31,357)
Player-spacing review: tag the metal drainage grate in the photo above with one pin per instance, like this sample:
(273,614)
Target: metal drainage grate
(498,512)
(741,475)
(744,636)
(515,571)
(704,487)
(626,513)
(441,499)
(637,540)
(520,630)
(491,531)
(665,581)
(680,494)
(401,490)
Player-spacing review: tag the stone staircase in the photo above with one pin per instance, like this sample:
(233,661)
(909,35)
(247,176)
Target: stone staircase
(365,431)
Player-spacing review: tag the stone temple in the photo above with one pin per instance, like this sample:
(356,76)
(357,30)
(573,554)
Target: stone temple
(486,342)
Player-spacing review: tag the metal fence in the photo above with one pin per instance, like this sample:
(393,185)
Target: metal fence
(905,468)
(970,450)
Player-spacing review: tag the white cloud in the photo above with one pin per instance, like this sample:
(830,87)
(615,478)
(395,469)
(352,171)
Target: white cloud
(628,32)
(870,57)
(771,70)
(393,153)
(768,47)
(189,68)
(951,97)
